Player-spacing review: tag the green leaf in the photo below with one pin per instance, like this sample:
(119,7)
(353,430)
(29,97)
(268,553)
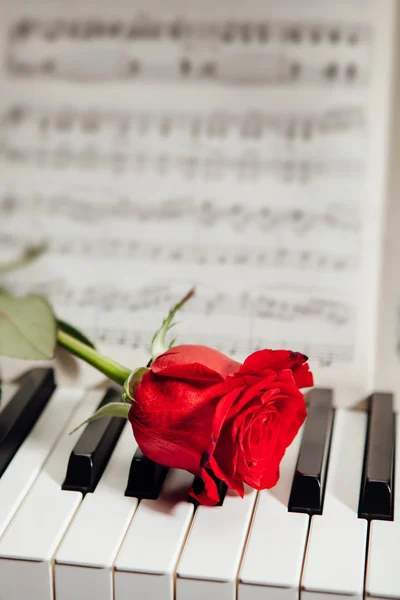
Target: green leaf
(158,346)
(112,409)
(30,254)
(72,331)
(27,327)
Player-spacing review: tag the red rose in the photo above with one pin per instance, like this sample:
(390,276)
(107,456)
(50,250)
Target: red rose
(196,409)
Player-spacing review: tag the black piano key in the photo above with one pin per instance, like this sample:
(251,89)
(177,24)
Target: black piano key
(93,450)
(198,486)
(22,411)
(145,477)
(308,484)
(376,492)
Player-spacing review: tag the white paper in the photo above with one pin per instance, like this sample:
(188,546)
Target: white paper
(388,335)
(224,147)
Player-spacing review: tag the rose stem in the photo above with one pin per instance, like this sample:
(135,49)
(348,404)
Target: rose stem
(109,367)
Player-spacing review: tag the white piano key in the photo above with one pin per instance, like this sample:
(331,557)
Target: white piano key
(29,543)
(335,557)
(274,554)
(148,556)
(211,557)
(383,573)
(32,454)
(84,560)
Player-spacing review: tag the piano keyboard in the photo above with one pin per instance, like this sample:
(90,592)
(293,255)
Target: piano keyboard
(87,516)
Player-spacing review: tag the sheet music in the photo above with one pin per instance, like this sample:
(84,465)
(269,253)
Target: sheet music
(174,145)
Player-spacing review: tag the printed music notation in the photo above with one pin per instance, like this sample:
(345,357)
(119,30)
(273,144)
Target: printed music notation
(255,193)
(235,346)
(260,310)
(298,149)
(267,52)
(203,212)
(190,166)
(293,126)
(224,254)
(250,304)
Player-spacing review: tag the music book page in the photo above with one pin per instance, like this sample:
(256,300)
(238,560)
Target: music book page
(241,148)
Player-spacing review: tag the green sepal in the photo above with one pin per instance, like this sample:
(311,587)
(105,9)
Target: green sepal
(74,332)
(158,346)
(112,409)
(130,385)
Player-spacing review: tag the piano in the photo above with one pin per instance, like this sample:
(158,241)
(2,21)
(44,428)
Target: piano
(87,516)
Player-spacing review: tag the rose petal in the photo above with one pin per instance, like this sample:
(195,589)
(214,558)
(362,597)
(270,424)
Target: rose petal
(252,396)
(303,376)
(236,484)
(278,360)
(177,424)
(199,364)
(209,496)
(272,359)
(223,407)
(172,420)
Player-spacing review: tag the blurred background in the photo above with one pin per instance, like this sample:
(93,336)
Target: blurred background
(241,148)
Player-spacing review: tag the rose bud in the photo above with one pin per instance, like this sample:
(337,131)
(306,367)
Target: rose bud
(199,410)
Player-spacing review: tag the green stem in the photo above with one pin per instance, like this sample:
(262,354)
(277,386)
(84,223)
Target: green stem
(110,368)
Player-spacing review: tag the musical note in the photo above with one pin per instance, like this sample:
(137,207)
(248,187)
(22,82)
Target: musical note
(238,52)
(238,347)
(254,304)
(206,213)
(42,139)
(270,257)
(248,124)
